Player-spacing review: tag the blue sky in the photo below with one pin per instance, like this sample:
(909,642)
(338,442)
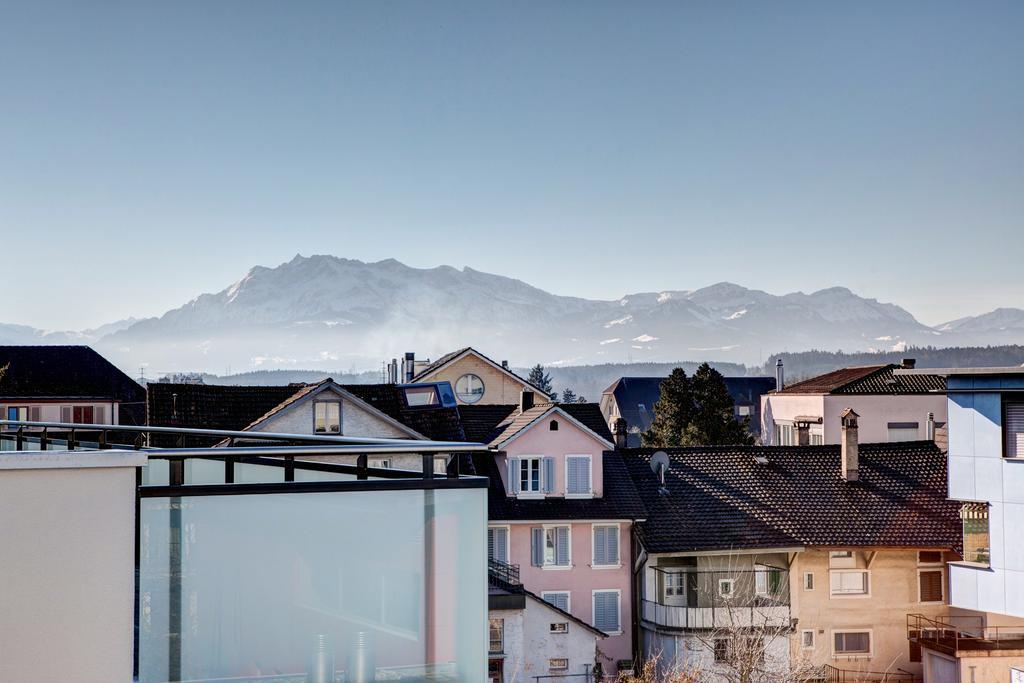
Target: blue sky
(152,152)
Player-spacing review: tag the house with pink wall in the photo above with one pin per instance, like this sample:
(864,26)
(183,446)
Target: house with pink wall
(561,510)
(891,407)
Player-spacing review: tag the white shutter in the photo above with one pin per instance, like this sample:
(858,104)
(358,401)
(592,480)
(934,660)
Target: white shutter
(513,476)
(33,414)
(1014,430)
(99,415)
(65,414)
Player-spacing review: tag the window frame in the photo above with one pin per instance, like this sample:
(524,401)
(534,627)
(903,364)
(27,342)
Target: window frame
(478,397)
(590,474)
(558,667)
(327,402)
(867,589)
(732,588)
(842,559)
(814,638)
(379,463)
(558,627)
(808,585)
(848,654)
(593,545)
(554,536)
(903,429)
(1006,401)
(618,609)
(568,599)
(490,635)
(767,571)
(988,532)
(942,585)
(522,463)
(422,389)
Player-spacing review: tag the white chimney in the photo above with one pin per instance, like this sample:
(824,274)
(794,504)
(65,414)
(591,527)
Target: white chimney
(409,366)
(780,382)
(849,446)
(930,427)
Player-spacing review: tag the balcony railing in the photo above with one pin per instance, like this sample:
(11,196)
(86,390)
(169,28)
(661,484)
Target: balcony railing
(956,634)
(698,600)
(502,575)
(831,674)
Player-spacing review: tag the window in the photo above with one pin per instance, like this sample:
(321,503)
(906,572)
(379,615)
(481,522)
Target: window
(550,546)
(817,438)
(784,435)
(767,580)
(497,636)
(17,413)
(606,545)
(497,543)
(675,584)
(469,388)
(903,431)
(531,475)
(721,650)
(382,463)
(559,599)
(422,396)
(974,517)
(560,627)
(553,426)
(807,639)
(851,642)
(929,557)
(842,559)
(606,611)
(929,583)
(743,411)
(808,581)
(577,475)
(1013,429)
(850,582)
(83,415)
(327,417)
(558,664)
(726,588)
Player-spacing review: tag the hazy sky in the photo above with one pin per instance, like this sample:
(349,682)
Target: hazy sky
(152,152)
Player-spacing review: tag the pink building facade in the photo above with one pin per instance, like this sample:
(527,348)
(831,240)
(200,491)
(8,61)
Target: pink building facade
(570,510)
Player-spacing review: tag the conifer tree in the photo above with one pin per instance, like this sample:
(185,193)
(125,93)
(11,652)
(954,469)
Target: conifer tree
(673,412)
(695,411)
(541,380)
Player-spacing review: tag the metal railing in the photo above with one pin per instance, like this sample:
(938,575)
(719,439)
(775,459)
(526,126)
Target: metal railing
(952,634)
(831,674)
(503,575)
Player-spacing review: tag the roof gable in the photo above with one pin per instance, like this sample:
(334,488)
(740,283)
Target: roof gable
(455,356)
(519,423)
(870,380)
(63,372)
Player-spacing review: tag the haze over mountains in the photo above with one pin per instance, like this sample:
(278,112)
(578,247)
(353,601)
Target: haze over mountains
(324,312)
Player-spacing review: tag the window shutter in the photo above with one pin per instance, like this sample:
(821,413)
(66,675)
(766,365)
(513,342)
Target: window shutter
(584,475)
(572,483)
(559,600)
(65,413)
(1014,430)
(513,476)
(537,547)
(931,586)
(490,543)
(501,545)
(578,474)
(100,415)
(612,541)
(562,546)
(549,475)
(33,414)
(606,611)
(600,545)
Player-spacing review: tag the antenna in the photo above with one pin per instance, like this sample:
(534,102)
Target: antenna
(659,464)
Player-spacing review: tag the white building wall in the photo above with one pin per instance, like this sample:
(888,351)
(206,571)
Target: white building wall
(530,645)
(67,567)
(355,420)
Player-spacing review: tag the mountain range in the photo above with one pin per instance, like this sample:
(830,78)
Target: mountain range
(325,312)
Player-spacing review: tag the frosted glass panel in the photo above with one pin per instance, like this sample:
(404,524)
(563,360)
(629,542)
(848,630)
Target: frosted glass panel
(314,587)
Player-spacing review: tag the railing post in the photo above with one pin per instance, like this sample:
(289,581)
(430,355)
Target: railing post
(361,472)
(43,440)
(20,439)
(289,468)
(428,466)
(229,469)
(72,441)
(103,439)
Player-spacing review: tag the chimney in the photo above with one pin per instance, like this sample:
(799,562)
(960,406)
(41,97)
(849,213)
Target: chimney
(930,427)
(504,364)
(803,433)
(393,371)
(780,383)
(409,366)
(908,363)
(620,429)
(849,446)
(525,400)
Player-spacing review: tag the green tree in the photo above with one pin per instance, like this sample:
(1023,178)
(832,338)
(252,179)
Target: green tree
(541,380)
(569,396)
(695,411)
(673,412)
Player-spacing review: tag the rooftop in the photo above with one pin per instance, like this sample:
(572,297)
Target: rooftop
(870,380)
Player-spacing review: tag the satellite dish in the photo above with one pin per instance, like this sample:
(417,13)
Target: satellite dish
(659,462)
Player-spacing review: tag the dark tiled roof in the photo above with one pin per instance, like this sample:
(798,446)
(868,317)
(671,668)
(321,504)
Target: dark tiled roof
(37,372)
(480,421)
(620,499)
(720,498)
(209,406)
(590,416)
(868,379)
(436,423)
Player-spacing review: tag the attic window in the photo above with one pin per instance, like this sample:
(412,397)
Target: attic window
(553,425)
(421,396)
(327,417)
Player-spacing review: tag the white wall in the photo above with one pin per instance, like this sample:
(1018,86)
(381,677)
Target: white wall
(876,412)
(529,643)
(67,568)
(355,420)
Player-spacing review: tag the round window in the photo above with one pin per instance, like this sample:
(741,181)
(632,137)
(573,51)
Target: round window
(469,388)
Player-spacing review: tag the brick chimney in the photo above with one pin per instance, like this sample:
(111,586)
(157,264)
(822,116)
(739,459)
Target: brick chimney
(849,446)
(525,400)
(803,433)
(621,431)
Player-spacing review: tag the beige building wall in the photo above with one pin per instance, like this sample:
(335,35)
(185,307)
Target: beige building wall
(499,387)
(67,567)
(893,594)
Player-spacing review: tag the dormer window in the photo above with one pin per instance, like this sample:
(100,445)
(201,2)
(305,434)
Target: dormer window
(531,476)
(327,417)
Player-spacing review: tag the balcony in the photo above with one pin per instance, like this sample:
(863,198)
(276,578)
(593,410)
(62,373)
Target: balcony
(267,564)
(965,636)
(727,599)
